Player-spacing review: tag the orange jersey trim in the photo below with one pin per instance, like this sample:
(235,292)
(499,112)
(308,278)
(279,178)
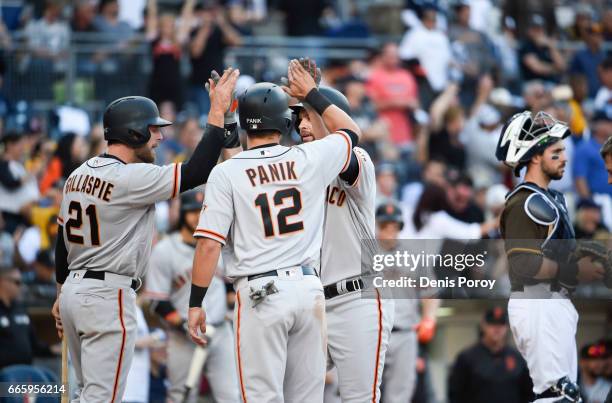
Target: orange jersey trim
(118,370)
(175,186)
(348,149)
(378,345)
(242,388)
(205,232)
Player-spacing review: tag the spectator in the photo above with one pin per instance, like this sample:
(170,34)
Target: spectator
(491,370)
(434,171)
(35,239)
(167,45)
(604,95)
(41,284)
(481,135)
(445,144)
(588,220)
(7,246)
(302,17)
(539,56)
(587,60)
(606,22)
(244,14)
(18,188)
(580,89)
(430,47)
(108,22)
(189,137)
(132,12)
(507,46)
(590,174)
(537,98)
(460,197)
(69,155)
(583,18)
(207,49)
(593,386)
(83,16)
(431,220)
(375,130)
(49,37)
(386,183)
(473,50)
(18,341)
(395,95)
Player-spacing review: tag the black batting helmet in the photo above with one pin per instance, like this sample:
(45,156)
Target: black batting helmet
(127,120)
(333,95)
(390,212)
(263,107)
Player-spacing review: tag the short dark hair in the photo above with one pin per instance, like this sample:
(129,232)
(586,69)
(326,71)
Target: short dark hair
(606,149)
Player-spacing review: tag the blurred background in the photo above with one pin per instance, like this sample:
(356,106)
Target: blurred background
(429,82)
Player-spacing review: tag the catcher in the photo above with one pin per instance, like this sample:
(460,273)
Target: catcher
(545,261)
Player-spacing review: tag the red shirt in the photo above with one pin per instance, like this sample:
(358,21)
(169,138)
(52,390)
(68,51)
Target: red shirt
(384,85)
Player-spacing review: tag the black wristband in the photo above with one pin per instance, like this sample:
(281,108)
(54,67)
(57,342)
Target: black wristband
(232,139)
(197,296)
(568,274)
(318,101)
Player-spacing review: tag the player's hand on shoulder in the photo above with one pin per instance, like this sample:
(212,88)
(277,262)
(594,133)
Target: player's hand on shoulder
(300,81)
(221,89)
(197,324)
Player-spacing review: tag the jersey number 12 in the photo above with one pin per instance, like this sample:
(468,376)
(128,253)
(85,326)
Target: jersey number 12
(76,222)
(279,198)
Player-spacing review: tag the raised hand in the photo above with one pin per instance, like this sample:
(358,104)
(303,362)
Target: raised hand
(300,82)
(221,90)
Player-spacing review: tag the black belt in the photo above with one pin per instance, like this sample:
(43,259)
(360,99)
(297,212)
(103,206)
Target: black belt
(331,290)
(100,275)
(554,287)
(307,271)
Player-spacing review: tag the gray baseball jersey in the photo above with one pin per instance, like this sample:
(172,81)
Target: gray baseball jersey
(266,204)
(349,221)
(169,277)
(108,213)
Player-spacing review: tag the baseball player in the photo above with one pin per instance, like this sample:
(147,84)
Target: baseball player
(266,205)
(167,285)
(107,225)
(409,328)
(544,267)
(358,329)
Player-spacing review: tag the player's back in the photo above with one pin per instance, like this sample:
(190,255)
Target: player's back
(278,196)
(108,212)
(349,232)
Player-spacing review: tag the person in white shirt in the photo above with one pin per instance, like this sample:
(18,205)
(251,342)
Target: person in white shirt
(431,47)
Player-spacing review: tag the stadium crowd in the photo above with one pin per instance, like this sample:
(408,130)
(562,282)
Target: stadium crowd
(431,100)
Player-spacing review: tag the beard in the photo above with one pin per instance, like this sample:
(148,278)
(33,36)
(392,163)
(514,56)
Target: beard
(553,174)
(145,154)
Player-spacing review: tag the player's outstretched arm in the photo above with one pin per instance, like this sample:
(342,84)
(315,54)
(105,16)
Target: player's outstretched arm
(302,86)
(195,172)
(204,264)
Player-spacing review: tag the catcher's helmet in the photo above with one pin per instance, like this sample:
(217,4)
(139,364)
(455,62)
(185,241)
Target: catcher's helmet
(523,137)
(389,212)
(263,107)
(127,120)
(333,95)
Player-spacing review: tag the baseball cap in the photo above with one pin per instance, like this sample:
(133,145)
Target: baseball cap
(496,316)
(594,351)
(455,177)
